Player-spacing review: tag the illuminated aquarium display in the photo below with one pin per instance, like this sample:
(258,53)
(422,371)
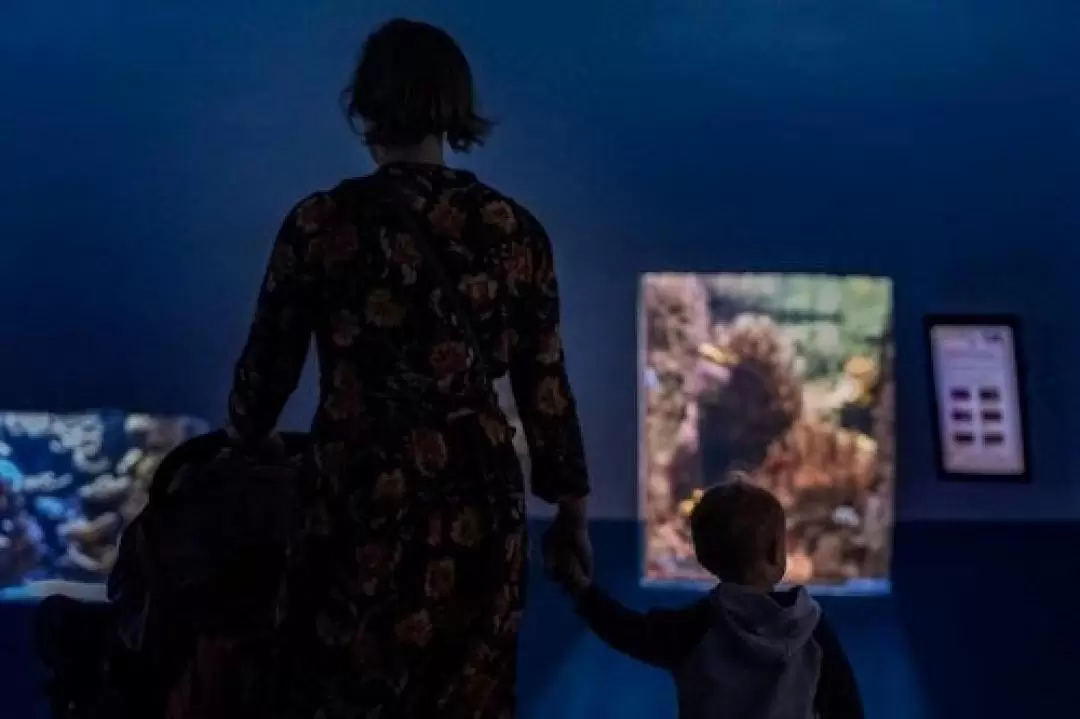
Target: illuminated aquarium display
(69,484)
(789,379)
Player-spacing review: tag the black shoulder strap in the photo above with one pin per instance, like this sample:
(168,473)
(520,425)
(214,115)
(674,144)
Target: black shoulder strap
(449,289)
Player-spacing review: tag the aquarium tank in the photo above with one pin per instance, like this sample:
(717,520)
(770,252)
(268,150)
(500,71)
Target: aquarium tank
(69,484)
(783,379)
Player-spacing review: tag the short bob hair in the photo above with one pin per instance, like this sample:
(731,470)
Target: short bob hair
(413,82)
(736,526)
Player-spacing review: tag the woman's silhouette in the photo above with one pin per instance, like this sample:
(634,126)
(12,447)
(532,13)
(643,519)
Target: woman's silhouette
(406,579)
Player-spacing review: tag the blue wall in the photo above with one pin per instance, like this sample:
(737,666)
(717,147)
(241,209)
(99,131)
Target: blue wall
(150,150)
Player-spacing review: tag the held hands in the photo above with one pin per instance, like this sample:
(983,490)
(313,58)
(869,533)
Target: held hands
(567,550)
(563,567)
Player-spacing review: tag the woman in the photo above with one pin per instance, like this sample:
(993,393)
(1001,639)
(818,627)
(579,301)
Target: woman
(407,578)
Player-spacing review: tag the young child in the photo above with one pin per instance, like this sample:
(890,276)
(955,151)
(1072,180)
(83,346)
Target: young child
(746,650)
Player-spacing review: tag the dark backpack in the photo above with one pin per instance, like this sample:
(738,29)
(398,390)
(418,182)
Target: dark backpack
(202,562)
(214,532)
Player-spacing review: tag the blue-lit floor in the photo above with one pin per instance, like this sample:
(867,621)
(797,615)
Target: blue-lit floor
(941,644)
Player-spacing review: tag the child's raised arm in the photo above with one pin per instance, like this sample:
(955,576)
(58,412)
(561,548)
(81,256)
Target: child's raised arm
(661,637)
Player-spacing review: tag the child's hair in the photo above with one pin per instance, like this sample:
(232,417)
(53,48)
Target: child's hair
(735,527)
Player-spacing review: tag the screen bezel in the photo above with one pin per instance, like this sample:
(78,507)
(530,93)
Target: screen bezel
(1013,324)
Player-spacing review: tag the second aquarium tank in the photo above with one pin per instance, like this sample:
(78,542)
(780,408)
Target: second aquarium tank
(70,483)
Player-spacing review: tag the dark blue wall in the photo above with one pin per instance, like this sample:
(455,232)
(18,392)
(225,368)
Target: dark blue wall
(150,149)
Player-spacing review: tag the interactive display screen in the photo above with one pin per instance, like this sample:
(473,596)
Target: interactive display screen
(977,393)
(787,378)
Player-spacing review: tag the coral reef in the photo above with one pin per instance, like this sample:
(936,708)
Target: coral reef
(727,388)
(69,484)
(18,550)
(675,324)
(756,397)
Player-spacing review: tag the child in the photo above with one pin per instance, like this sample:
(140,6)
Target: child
(746,650)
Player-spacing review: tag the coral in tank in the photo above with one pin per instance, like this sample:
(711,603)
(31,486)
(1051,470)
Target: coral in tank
(787,379)
(70,483)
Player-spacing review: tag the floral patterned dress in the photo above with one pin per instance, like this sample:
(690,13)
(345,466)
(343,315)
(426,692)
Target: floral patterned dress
(406,583)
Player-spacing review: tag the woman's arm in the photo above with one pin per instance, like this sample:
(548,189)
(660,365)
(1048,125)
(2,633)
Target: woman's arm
(273,357)
(538,372)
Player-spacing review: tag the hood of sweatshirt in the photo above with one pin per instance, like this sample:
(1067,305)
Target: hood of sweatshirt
(768,627)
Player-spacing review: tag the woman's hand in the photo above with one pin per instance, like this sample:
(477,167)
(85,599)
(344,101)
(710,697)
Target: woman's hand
(273,445)
(569,534)
(232,433)
(564,568)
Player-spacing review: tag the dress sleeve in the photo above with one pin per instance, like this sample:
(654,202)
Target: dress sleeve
(273,357)
(538,370)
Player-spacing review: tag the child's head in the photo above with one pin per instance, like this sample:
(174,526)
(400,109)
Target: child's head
(739,534)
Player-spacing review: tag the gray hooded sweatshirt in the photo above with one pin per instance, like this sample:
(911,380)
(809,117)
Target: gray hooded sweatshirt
(757,660)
